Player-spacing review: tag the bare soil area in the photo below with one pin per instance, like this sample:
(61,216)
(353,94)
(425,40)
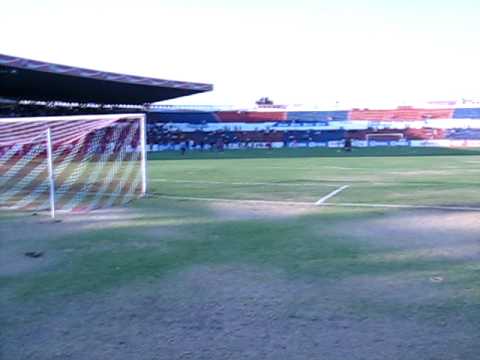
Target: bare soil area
(449,233)
(241,313)
(27,233)
(249,210)
(245,311)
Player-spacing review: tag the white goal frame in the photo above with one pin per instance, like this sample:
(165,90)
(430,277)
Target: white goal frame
(48,142)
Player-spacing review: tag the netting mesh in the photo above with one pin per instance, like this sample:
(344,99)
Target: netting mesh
(96,163)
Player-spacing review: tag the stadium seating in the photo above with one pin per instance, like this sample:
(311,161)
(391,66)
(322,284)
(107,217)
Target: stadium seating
(466,113)
(315,116)
(424,134)
(399,114)
(408,113)
(366,114)
(194,117)
(463,134)
(156,136)
(305,127)
(251,116)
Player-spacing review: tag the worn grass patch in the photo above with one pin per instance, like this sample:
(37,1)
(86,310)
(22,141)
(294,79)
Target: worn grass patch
(160,275)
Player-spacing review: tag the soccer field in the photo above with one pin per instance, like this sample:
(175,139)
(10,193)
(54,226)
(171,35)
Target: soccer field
(256,254)
(422,177)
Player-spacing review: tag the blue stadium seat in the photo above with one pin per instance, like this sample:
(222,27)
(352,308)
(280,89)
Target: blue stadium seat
(194,117)
(467,113)
(463,134)
(313,116)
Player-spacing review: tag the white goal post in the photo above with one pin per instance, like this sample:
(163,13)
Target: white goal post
(72,163)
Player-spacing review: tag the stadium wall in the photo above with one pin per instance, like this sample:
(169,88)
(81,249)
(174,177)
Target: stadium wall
(404,126)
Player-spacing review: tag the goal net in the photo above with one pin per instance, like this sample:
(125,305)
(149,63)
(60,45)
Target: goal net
(71,163)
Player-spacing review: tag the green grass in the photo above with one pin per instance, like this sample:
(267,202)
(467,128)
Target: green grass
(314,152)
(438,177)
(165,268)
(105,258)
(163,236)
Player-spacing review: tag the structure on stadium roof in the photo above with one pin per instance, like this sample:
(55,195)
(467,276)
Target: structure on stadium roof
(24,79)
(74,163)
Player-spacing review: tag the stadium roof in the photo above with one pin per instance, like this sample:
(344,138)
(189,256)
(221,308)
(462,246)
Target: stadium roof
(24,79)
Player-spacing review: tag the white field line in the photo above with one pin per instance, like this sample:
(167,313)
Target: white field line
(246,201)
(332,194)
(312,204)
(208,182)
(402,206)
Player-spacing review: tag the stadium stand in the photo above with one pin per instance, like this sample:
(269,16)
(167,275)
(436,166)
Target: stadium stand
(409,113)
(251,116)
(400,114)
(158,135)
(424,134)
(30,88)
(314,116)
(466,113)
(463,134)
(196,117)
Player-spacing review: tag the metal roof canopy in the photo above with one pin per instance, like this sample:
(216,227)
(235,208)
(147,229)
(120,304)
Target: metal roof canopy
(25,79)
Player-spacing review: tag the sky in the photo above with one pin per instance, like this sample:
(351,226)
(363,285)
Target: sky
(355,52)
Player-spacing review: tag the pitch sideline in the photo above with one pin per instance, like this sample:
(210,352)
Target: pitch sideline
(313,204)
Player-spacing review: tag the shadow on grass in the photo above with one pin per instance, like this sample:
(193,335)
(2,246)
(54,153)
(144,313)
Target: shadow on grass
(303,247)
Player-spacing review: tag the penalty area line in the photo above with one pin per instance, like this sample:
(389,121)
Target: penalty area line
(403,206)
(332,194)
(246,201)
(311,204)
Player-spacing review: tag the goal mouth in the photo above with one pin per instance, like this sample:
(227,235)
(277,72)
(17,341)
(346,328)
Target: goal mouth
(72,163)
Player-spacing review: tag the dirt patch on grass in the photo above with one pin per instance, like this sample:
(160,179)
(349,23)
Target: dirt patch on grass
(25,233)
(424,232)
(420,172)
(100,219)
(239,312)
(250,210)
